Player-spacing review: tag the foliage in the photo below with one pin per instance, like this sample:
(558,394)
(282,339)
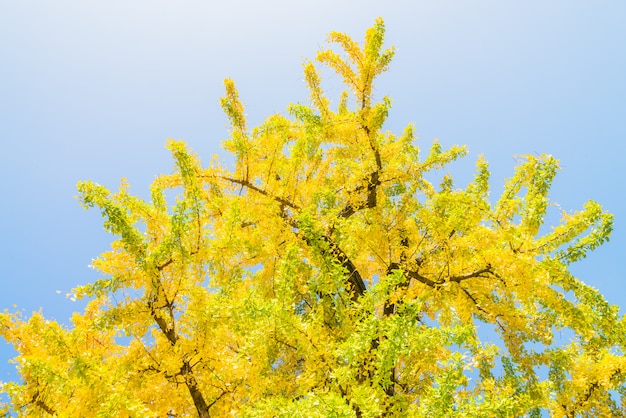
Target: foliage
(326,275)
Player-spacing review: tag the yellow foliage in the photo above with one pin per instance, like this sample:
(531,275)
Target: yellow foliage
(329,275)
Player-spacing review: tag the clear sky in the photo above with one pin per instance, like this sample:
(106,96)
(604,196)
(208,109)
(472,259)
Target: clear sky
(91,90)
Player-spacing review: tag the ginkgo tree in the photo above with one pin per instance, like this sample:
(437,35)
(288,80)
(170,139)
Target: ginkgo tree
(326,273)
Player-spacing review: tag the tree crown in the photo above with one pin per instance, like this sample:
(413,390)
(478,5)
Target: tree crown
(325,274)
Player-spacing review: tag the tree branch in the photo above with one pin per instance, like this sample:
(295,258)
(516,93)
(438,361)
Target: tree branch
(41,404)
(456,279)
(477,273)
(355,281)
(422,279)
(192,385)
(168,330)
(370,201)
(481,309)
(246,183)
(586,396)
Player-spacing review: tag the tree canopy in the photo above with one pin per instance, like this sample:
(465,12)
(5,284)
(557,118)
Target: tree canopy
(326,273)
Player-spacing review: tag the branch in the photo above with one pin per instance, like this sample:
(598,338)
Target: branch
(586,396)
(167,329)
(246,183)
(480,308)
(424,280)
(477,273)
(355,281)
(370,202)
(357,286)
(41,404)
(217,399)
(192,384)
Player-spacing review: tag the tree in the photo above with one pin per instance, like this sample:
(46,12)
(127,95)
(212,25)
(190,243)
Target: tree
(325,275)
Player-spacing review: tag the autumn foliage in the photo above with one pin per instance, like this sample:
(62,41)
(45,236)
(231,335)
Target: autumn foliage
(328,274)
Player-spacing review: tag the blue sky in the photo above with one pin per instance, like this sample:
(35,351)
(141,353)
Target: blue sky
(91,90)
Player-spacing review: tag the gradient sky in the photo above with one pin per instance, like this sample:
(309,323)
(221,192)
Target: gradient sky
(91,90)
